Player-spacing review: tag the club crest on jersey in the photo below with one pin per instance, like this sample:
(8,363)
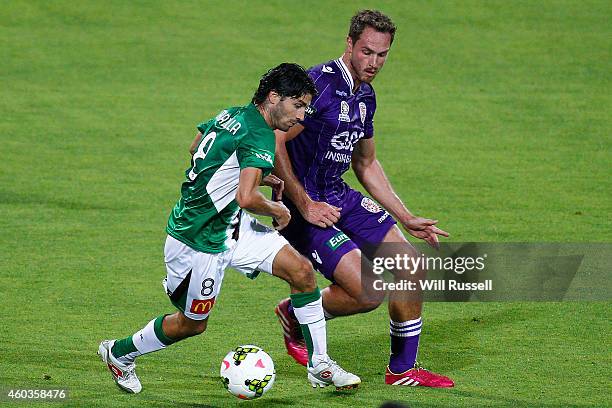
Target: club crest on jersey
(370,205)
(344,110)
(362,112)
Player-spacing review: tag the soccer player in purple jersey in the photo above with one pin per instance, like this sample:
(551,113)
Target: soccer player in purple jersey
(333,224)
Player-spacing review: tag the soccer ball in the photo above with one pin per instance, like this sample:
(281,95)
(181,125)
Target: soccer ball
(247,372)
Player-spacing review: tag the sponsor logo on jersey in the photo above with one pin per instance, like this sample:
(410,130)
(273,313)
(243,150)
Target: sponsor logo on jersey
(337,240)
(316,257)
(344,110)
(202,306)
(267,157)
(341,93)
(345,140)
(362,112)
(338,157)
(370,205)
(310,110)
(327,69)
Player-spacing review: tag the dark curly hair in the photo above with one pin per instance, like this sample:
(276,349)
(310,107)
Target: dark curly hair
(370,18)
(287,80)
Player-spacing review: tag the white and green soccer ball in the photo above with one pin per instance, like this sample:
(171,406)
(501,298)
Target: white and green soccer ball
(247,372)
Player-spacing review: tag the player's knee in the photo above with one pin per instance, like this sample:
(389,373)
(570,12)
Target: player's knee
(303,276)
(367,297)
(190,327)
(410,272)
(370,302)
(199,327)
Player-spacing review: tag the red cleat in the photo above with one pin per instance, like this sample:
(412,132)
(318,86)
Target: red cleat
(292,333)
(418,376)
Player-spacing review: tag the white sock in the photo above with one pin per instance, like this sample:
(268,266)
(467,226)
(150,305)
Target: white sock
(150,338)
(147,340)
(312,320)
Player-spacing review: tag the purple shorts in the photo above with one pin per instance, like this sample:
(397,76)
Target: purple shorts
(363,224)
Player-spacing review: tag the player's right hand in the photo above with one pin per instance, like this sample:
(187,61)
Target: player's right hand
(425,229)
(282,217)
(321,214)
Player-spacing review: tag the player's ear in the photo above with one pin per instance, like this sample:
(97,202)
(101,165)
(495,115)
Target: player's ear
(273,98)
(349,44)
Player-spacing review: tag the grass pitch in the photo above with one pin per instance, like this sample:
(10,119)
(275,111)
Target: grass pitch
(493,117)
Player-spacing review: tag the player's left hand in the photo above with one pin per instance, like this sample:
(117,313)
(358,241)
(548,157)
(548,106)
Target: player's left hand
(425,229)
(277,185)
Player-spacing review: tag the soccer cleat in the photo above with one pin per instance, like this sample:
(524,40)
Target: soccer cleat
(328,372)
(418,376)
(123,374)
(292,333)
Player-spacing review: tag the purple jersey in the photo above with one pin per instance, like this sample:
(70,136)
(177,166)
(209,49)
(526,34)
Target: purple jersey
(322,153)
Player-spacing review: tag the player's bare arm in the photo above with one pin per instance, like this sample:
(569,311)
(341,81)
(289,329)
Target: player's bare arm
(315,212)
(250,198)
(371,175)
(195,143)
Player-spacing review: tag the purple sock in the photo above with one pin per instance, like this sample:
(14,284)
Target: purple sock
(404,344)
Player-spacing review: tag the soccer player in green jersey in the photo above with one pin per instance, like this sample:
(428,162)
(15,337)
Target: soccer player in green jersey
(209,231)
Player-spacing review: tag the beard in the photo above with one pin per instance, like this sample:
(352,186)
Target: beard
(279,120)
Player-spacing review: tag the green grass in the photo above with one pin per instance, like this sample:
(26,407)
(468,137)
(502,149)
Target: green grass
(493,117)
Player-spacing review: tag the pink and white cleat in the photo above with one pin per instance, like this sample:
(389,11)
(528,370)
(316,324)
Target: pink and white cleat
(418,376)
(292,333)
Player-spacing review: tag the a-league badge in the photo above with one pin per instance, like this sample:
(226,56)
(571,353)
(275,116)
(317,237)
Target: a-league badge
(344,110)
(362,112)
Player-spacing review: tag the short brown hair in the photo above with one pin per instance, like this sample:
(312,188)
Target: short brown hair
(370,18)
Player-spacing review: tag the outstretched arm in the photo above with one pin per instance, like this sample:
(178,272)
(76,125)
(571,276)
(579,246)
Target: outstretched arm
(315,212)
(371,175)
(250,198)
